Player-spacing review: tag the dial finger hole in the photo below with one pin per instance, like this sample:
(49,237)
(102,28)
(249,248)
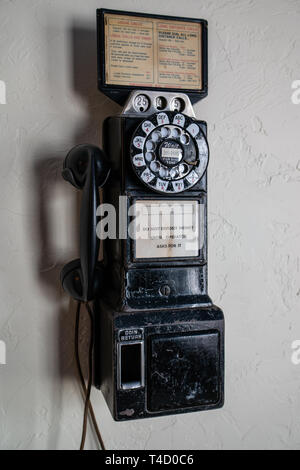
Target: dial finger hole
(150,156)
(150,146)
(165,132)
(155,136)
(184,139)
(154,166)
(163,172)
(175,132)
(183,168)
(174,173)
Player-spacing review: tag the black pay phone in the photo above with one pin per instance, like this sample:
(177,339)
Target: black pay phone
(159,340)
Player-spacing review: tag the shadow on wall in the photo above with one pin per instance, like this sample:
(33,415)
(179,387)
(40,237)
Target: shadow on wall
(84,64)
(47,165)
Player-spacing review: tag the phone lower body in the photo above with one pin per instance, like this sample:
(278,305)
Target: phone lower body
(154,363)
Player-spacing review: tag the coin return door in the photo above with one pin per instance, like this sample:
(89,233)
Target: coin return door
(131,365)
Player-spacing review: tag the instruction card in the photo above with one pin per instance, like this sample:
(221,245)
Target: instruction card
(151,52)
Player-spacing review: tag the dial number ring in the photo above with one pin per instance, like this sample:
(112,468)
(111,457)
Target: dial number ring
(175,152)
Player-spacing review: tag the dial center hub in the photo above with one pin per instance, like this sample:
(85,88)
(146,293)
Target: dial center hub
(170,152)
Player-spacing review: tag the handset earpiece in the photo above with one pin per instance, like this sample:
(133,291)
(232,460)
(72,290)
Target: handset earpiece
(87,168)
(77,161)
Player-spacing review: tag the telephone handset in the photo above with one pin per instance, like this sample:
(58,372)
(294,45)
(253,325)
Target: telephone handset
(87,168)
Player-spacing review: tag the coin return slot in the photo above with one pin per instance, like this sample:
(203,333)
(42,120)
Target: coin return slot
(131,366)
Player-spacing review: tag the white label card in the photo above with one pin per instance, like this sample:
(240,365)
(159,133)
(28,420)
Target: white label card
(167,229)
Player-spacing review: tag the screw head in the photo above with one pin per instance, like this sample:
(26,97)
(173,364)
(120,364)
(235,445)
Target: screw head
(165,291)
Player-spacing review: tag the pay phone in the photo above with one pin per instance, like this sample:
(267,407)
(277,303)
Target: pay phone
(159,340)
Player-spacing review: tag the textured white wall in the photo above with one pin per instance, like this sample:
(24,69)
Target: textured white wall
(47,61)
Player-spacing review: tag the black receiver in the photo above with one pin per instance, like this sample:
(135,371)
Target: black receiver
(86,168)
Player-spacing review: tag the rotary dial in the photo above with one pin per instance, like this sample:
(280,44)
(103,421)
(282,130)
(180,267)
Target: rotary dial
(169,152)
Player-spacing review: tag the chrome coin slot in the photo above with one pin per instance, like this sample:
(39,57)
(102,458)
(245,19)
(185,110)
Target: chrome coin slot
(177,104)
(160,103)
(141,103)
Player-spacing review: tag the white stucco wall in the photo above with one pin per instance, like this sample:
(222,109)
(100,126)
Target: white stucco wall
(47,64)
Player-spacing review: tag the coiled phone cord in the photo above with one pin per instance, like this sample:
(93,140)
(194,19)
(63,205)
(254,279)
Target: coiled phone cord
(86,389)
